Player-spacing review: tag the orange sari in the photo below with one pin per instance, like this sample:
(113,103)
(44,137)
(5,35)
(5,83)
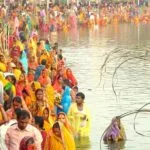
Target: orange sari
(66,142)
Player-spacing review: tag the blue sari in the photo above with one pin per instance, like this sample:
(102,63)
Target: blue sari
(24,61)
(66,101)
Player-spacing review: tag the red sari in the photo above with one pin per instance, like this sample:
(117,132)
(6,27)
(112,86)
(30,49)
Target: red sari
(71,77)
(44,135)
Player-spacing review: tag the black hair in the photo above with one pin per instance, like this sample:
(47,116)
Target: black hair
(23,114)
(60,57)
(13,78)
(17,99)
(25,91)
(81,95)
(54,47)
(67,82)
(39,120)
(47,41)
(75,87)
(38,91)
(7,104)
(56,44)
(56,125)
(17,110)
(43,62)
(38,43)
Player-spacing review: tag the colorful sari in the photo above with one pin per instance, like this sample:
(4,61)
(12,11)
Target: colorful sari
(66,142)
(35,85)
(49,122)
(24,61)
(115,132)
(57,86)
(65,122)
(2,67)
(71,77)
(44,78)
(66,101)
(50,94)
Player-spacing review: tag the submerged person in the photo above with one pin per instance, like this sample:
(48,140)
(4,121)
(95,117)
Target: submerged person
(59,138)
(115,131)
(79,116)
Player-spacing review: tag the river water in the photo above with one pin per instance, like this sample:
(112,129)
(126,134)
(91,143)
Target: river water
(119,85)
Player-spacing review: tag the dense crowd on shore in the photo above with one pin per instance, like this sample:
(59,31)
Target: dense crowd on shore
(41,106)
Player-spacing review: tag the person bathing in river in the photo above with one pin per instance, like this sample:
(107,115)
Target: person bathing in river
(115,131)
(79,116)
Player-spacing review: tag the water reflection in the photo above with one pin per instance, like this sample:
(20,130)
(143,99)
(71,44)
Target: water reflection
(83,143)
(85,51)
(116,146)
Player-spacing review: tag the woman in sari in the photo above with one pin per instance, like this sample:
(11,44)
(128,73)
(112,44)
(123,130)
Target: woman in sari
(18,70)
(63,119)
(30,76)
(26,97)
(48,120)
(39,124)
(21,84)
(59,138)
(24,61)
(12,80)
(32,63)
(27,143)
(71,77)
(40,101)
(2,63)
(34,86)
(7,97)
(79,116)
(58,84)
(50,95)
(44,78)
(115,131)
(66,99)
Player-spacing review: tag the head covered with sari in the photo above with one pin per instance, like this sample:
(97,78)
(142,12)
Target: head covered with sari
(71,77)
(27,143)
(60,138)
(62,117)
(48,120)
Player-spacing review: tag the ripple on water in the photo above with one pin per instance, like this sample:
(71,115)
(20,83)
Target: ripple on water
(85,52)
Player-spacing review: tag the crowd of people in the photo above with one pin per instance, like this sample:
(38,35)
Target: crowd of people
(64,17)
(41,107)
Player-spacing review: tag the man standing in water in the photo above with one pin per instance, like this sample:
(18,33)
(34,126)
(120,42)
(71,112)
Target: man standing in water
(20,130)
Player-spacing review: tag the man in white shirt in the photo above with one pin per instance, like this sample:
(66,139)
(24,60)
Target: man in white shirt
(21,129)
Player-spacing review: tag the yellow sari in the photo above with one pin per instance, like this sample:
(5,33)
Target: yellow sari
(21,45)
(2,67)
(66,142)
(48,124)
(17,73)
(50,94)
(32,93)
(81,127)
(1,117)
